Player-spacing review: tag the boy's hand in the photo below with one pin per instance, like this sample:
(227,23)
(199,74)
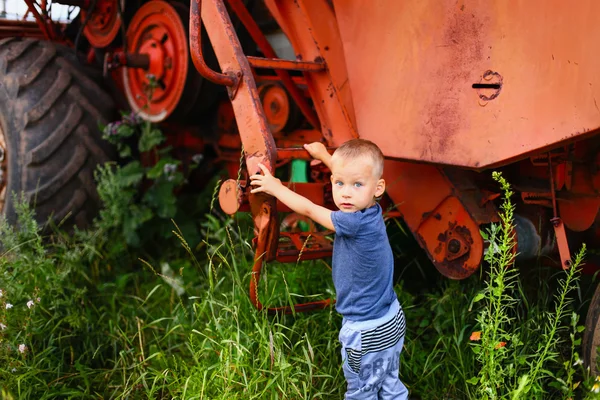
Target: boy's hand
(317,150)
(266,183)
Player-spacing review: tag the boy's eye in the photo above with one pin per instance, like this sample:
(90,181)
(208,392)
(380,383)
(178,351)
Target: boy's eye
(357,184)
(339,183)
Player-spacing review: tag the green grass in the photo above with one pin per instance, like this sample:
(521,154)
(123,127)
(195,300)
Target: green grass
(173,320)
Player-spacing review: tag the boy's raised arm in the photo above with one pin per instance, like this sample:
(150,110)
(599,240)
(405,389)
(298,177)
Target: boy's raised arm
(267,183)
(318,151)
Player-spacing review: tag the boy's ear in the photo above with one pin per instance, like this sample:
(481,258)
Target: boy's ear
(380,188)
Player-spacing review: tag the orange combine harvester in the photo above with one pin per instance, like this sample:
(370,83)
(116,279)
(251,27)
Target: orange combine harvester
(450,90)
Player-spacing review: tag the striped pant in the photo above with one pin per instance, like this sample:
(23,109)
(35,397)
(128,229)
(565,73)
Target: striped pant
(371,356)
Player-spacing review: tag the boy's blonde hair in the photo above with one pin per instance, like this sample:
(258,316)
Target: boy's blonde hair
(361,147)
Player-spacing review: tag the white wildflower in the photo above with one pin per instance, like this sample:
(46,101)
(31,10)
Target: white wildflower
(30,304)
(2,326)
(38,299)
(578,362)
(1,293)
(9,306)
(22,348)
(13,370)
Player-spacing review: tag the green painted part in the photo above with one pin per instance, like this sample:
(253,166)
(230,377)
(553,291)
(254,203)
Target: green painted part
(299,175)
(299,171)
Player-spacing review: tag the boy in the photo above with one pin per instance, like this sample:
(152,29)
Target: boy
(373,324)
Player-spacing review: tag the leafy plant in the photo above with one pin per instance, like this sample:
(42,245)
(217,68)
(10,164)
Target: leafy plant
(511,366)
(141,198)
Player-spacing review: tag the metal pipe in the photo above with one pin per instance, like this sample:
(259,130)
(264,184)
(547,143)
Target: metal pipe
(261,41)
(38,19)
(196,49)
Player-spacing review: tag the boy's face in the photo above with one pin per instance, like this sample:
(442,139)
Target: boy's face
(355,187)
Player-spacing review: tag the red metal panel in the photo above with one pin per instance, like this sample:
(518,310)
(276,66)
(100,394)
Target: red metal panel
(311,28)
(412,64)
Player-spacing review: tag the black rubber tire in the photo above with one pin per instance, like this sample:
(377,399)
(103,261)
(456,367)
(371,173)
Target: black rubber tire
(591,334)
(50,111)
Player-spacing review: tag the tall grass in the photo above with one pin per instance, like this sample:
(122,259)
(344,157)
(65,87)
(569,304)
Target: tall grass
(94,318)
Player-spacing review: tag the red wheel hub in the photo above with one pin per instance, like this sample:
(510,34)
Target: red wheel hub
(157,30)
(103,25)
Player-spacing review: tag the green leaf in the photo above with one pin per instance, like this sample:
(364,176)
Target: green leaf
(478,297)
(124,151)
(161,198)
(150,138)
(158,170)
(125,130)
(473,381)
(131,174)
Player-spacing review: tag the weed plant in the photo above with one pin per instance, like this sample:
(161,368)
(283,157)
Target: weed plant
(89,316)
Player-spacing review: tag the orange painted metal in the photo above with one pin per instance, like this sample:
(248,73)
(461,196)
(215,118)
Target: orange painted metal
(421,105)
(259,146)
(104,23)
(230,196)
(274,63)
(226,79)
(297,153)
(436,216)
(417,190)
(276,105)
(157,31)
(312,29)
(579,207)
(302,246)
(263,44)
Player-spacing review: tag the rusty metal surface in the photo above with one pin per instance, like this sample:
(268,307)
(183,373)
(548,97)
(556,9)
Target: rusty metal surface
(227,78)
(415,96)
(273,63)
(436,217)
(301,246)
(264,45)
(311,27)
(258,143)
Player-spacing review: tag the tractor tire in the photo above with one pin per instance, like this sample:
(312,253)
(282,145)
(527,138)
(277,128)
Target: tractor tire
(50,111)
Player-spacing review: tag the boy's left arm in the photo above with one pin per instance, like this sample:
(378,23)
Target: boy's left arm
(267,183)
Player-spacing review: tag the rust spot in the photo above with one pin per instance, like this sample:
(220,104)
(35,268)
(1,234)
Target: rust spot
(318,59)
(437,216)
(298,57)
(455,269)
(462,47)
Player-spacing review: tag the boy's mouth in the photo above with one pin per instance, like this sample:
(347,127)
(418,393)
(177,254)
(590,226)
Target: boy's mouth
(346,205)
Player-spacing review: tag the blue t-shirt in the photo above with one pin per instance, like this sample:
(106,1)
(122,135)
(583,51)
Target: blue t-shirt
(363,264)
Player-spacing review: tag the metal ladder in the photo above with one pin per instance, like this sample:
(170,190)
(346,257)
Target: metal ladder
(257,140)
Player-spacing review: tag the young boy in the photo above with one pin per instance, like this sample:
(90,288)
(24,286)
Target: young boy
(373,324)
